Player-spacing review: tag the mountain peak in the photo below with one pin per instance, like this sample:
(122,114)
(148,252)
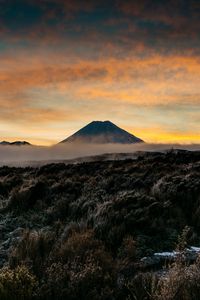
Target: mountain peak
(107,122)
(102,132)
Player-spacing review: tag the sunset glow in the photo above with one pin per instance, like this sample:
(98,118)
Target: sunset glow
(64,64)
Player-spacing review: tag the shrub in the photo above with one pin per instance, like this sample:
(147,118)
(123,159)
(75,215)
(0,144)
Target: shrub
(78,244)
(128,250)
(26,196)
(77,280)
(181,282)
(142,287)
(91,280)
(83,269)
(33,248)
(55,285)
(17,284)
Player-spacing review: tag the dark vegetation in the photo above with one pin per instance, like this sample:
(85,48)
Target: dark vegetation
(80,231)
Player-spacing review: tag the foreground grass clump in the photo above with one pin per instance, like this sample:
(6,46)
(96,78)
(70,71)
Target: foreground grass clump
(79,263)
(17,284)
(33,248)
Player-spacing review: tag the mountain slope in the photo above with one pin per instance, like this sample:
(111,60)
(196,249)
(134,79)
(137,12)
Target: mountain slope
(103,132)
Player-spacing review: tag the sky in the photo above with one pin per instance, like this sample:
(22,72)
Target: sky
(66,63)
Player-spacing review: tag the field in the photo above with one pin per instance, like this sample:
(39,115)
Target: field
(82,231)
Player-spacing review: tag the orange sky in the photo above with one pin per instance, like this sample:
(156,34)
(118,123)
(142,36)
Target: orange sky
(135,65)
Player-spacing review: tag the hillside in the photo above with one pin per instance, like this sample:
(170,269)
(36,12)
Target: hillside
(82,231)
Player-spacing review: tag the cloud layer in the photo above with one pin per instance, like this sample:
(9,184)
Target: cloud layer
(34,156)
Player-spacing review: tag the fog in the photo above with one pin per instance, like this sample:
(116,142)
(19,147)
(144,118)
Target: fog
(35,155)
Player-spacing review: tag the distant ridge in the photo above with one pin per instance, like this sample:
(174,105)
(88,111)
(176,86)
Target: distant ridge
(102,132)
(16,143)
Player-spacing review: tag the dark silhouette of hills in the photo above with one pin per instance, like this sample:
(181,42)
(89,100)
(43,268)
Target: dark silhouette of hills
(16,143)
(103,132)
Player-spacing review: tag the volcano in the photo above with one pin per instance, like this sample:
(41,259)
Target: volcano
(102,132)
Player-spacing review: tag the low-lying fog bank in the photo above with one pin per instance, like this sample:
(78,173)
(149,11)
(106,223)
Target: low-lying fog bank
(34,155)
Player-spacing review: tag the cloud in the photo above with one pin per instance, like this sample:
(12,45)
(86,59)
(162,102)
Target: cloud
(50,90)
(69,61)
(44,75)
(175,13)
(42,155)
(119,25)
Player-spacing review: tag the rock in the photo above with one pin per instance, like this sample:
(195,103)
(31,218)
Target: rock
(159,259)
